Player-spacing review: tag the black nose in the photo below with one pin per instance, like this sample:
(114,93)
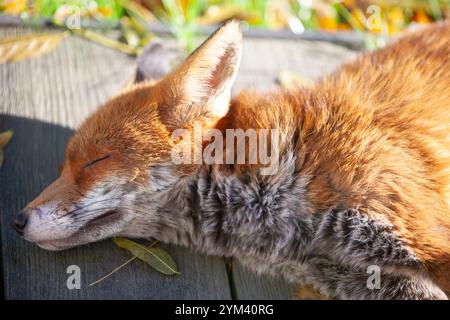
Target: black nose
(21,222)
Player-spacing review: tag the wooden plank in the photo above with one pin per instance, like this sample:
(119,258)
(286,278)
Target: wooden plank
(262,62)
(42,100)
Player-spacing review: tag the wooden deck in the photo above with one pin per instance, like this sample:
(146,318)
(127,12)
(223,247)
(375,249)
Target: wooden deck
(43,99)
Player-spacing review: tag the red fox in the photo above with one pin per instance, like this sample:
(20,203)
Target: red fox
(362,180)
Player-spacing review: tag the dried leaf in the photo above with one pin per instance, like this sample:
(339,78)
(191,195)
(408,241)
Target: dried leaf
(22,47)
(4,139)
(290,80)
(2,157)
(157,258)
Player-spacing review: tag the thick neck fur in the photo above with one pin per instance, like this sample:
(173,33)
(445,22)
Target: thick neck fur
(261,223)
(230,216)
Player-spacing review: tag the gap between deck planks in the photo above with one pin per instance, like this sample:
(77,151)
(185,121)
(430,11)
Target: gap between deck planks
(43,99)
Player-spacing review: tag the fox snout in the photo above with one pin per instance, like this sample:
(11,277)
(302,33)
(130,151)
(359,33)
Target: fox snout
(38,220)
(21,221)
(63,216)
(22,218)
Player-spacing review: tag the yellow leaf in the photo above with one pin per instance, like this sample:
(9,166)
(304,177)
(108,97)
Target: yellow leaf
(349,3)
(328,23)
(22,47)
(396,20)
(5,137)
(105,11)
(157,258)
(14,7)
(360,17)
(291,81)
(421,17)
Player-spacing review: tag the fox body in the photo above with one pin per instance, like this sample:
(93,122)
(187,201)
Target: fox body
(363,177)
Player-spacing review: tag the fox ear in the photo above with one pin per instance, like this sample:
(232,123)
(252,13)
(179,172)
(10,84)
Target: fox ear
(200,88)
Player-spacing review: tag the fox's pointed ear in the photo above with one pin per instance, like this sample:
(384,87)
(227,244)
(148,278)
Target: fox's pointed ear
(200,88)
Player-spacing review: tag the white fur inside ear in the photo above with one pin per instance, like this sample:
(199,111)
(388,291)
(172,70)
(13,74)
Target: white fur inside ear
(214,65)
(204,80)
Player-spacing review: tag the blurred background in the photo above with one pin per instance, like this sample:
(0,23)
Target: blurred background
(373,20)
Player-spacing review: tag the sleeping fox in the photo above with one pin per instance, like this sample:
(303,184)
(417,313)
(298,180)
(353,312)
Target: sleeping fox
(362,180)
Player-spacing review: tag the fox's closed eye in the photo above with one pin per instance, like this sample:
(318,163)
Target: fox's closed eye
(90,163)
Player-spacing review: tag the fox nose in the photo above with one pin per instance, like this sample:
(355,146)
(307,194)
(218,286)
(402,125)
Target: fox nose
(20,222)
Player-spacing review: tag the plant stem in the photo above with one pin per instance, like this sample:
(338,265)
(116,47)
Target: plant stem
(108,42)
(112,272)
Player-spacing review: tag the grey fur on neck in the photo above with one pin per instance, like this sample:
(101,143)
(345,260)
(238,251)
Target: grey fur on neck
(262,222)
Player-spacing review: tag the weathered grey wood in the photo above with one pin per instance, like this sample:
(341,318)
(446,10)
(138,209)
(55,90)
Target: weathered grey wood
(42,100)
(262,62)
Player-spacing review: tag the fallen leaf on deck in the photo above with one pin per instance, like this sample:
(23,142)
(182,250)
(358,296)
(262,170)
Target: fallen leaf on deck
(290,80)
(157,258)
(22,47)
(4,139)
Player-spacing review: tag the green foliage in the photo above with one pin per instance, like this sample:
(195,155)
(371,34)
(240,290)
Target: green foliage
(182,22)
(112,9)
(183,17)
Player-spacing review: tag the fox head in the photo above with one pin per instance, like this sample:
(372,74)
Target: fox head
(124,150)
